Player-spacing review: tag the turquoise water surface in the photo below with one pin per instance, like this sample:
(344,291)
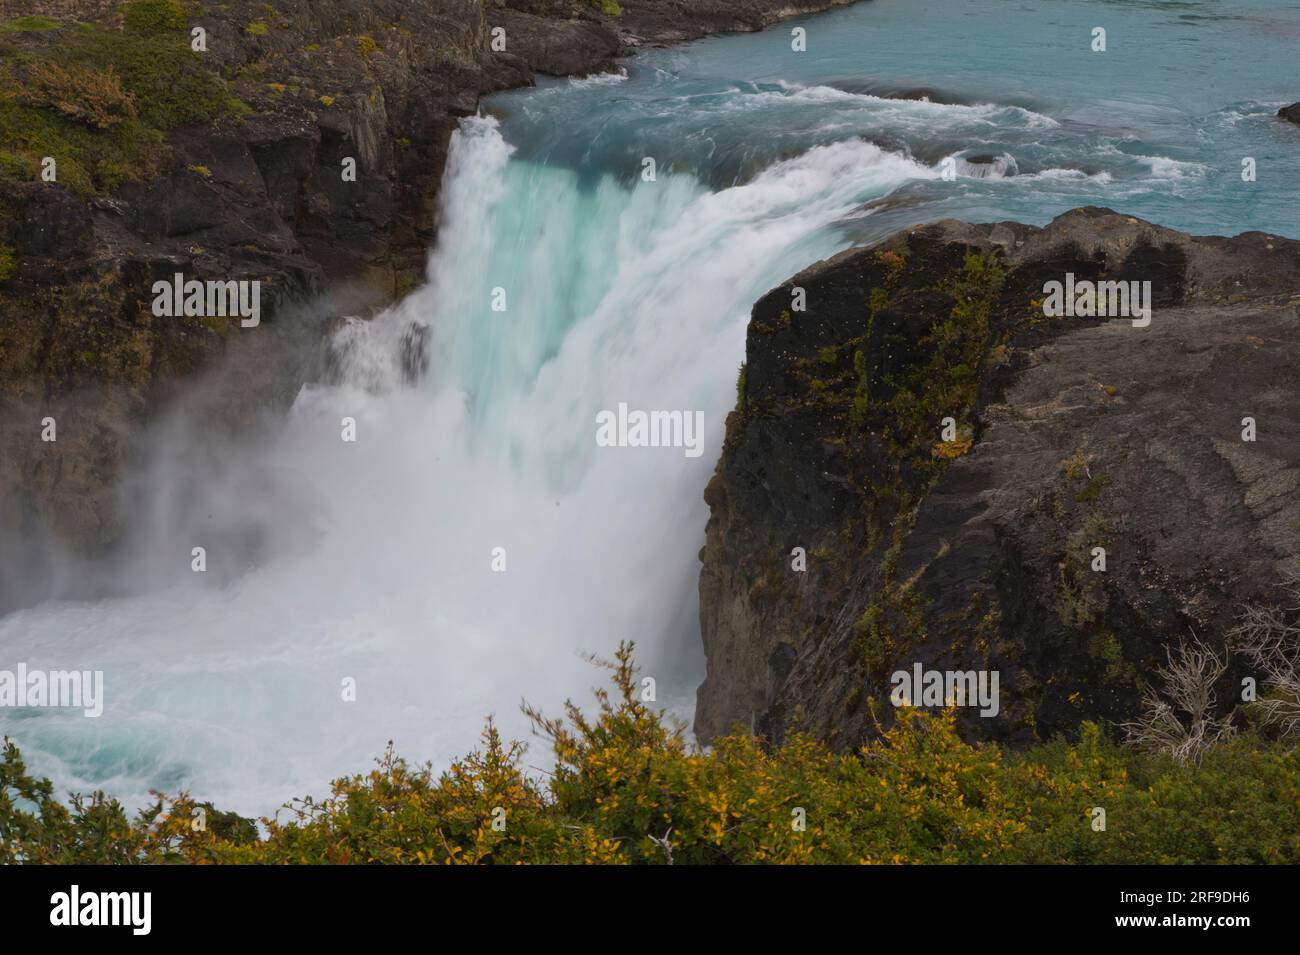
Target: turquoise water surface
(1157,125)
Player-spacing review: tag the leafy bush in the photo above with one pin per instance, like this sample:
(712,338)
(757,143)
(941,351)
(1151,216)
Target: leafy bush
(89,159)
(93,97)
(100,99)
(151,17)
(628,788)
(170,84)
(29,24)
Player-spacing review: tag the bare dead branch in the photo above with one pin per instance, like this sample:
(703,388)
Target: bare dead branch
(1180,718)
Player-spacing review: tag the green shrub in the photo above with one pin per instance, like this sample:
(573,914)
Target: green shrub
(89,159)
(875,645)
(8,264)
(861,408)
(628,788)
(14,165)
(151,17)
(100,100)
(1092,490)
(29,24)
(170,83)
(94,97)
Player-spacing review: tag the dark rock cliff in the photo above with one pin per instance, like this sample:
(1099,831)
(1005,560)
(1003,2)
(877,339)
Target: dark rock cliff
(227,163)
(977,553)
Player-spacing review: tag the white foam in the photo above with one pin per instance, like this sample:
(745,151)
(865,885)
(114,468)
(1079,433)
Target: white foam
(614,294)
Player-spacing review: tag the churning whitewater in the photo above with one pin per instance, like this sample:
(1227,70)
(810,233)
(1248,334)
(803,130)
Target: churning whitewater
(614,294)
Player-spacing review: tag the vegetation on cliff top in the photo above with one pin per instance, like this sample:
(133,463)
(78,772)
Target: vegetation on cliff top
(905,406)
(628,788)
(98,99)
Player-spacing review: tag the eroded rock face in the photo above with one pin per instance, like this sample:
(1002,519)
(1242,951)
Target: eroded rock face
(1290,113)
(1074,433)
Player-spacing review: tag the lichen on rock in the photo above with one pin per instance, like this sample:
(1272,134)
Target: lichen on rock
(1069,434)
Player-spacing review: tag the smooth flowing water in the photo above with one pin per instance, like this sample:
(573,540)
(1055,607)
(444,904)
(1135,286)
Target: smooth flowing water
(378,564)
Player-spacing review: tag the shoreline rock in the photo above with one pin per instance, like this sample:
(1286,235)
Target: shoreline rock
(978,554)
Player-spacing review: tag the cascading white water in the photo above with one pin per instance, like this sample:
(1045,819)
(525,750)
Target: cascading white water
(613,294)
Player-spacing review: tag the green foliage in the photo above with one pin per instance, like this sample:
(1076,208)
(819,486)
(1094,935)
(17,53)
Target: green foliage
(947,382)
(8,264)
(94,97)
(257,28)
(610,8)
(742,403)
(628,788)
(37,828)
(228,826)
(1082,601)
(29,24)
(151,17)
(1092,490)
(861,393)
(874,642)
(879,299)
(171,85)
(1106,646)
(100,99)
(88,159)
(366,45)
(896,405)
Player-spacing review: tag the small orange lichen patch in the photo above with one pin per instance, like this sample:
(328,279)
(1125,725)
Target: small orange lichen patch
(950,450)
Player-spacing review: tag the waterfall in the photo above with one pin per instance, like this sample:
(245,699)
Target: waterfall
(475,449)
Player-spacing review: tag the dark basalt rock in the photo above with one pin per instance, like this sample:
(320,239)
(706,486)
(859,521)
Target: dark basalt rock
(1291,113)
(1084,432)
(559,47)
